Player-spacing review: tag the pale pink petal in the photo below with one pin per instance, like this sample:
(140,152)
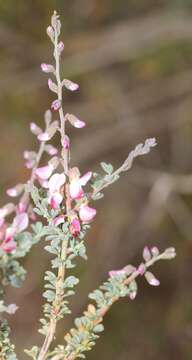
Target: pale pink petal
(59,220)
(44,172)
(12,192)
(75,190)
(21,222)
(86,213)
(56,182)
(85,178)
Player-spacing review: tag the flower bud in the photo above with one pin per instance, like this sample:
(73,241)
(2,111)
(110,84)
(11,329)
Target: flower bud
(50,33)
(66,142)
(47,68)
(56,104)
(36,130)
(70,85)
(74,121)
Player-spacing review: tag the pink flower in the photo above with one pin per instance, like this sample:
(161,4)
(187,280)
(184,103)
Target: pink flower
(76,183)
(75,227)
(86,213)
(54,185)
(20,223)
(56,104)
(44,172)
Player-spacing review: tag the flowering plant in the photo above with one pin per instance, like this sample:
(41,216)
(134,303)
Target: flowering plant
(55,206)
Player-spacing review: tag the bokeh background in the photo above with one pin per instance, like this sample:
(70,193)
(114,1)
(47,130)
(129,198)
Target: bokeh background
(133,60)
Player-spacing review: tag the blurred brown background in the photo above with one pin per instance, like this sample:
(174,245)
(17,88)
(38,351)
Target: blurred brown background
(133,60)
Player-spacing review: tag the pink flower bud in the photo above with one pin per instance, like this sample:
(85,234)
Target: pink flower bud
(142,269)
(50,32)
(75,227)
(12,192)
(86,213)
(59,220)
(146,254)
(36,130)
(66,142)
(61,47)
(74,121)
(55,106)
(15,191)
(151,279)
(70,85)
(47,68)
(52,86)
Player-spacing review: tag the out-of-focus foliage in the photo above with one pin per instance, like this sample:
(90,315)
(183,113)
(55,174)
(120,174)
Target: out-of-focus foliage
(133,61)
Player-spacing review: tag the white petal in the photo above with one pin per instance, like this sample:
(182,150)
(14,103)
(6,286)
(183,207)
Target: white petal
(56,181)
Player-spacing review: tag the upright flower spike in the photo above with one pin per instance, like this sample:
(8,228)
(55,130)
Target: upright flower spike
(66,222)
